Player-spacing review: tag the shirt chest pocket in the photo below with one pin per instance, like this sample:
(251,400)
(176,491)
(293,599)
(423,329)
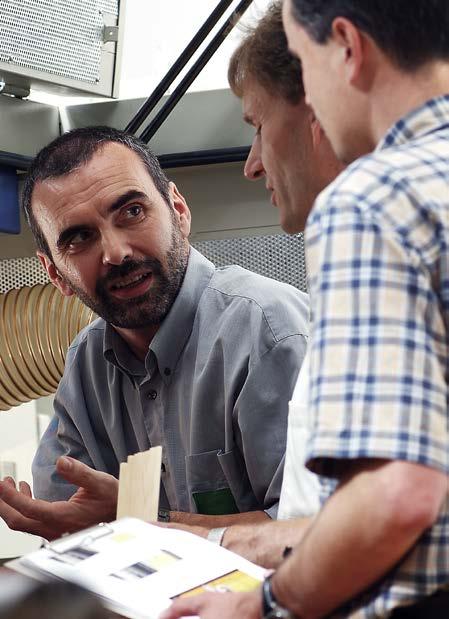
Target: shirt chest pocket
(210,490)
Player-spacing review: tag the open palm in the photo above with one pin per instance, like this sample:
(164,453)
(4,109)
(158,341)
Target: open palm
(94,501)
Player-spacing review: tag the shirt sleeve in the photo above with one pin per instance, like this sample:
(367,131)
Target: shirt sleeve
(300,488)
(261,418)
(47,484)
(378,343)
(69,434)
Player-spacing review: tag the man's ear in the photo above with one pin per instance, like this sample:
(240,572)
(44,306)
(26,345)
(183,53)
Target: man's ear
(350,46)
(316,130)
(182,211)
(54,275)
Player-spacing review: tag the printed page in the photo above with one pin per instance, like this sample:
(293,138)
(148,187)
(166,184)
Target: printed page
(138,568)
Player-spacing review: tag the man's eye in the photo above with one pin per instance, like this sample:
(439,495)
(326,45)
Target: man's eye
(133,211)
(80,237)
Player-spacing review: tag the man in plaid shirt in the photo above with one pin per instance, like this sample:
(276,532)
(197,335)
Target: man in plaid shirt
(376,73)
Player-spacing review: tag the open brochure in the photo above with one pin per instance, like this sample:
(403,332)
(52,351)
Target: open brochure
(138,568)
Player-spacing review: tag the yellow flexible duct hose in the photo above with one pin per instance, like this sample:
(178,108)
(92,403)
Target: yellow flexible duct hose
(37,325)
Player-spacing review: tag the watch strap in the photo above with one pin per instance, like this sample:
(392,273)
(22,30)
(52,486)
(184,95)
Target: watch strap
(270,606)
(216,535)
(268,601)
(163,515)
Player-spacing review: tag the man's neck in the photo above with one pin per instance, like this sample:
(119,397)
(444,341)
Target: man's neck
(138,340)
(398,93)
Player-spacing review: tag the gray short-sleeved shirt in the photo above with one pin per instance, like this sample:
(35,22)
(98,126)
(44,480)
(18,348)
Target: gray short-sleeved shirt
(213,391)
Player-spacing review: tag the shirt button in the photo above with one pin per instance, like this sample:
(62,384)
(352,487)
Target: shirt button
(152,394)
(167,371)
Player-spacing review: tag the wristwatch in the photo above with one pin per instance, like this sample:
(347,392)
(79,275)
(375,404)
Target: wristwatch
(163,515)
(216,535)
(270,606)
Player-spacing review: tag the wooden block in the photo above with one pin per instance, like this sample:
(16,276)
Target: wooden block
(139,483)
(123,490)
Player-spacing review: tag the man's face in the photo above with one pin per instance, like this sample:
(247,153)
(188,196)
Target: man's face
(325,85)
(282,153)
(114,241)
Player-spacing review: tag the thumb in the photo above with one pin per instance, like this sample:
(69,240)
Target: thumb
(84,476)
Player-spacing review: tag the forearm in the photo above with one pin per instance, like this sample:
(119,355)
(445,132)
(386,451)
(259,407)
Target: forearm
(265,543)
(212,522)
(357,538)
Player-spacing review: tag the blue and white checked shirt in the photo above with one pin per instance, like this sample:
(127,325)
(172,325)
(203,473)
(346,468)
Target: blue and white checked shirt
(377,244)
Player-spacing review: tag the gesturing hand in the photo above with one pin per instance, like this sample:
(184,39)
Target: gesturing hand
(94,501)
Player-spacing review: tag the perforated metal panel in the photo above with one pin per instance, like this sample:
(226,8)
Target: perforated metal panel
(109,6)
(19,272)
(59,37)
(279,256)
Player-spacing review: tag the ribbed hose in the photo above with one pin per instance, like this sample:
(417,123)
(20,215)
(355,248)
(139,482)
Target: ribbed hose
(37,325)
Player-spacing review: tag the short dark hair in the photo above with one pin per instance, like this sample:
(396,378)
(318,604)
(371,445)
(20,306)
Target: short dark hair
(73,149)
(410,32)
(263,56)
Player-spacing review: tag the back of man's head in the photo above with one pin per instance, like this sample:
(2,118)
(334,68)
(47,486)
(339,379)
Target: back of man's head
(73,150)
(263,56)
(410,32)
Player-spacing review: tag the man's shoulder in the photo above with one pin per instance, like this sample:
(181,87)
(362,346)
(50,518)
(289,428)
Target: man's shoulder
(363,177)
(85,352)
(244,292)
(389,187)
(91,336)
(235,281)
(396,171)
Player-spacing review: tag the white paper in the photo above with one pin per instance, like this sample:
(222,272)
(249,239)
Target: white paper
(137,568)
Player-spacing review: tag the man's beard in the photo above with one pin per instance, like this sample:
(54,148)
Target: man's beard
(150,308)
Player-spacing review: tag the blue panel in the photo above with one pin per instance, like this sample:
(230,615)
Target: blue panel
(9,201)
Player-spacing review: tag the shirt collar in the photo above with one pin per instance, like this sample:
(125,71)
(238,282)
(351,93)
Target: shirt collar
(174,331)
(117,352)
(430,117)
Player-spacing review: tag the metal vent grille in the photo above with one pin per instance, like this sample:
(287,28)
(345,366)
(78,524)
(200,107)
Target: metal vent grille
(279,256)
(58,37)
(108,6)
(19,272)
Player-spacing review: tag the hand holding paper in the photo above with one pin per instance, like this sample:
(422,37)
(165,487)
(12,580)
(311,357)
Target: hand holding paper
(213,605)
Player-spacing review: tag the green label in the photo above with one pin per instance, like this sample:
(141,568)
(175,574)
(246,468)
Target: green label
(215,502)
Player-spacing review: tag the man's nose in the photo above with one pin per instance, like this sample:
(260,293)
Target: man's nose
(116,247)
(253,167)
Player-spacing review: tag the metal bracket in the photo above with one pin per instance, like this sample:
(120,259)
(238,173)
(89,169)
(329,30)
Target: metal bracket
(110,34)
(20,90)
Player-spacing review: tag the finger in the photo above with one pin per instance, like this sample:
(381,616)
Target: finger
(10,481)
(50,520)
(86,477)
(189,607)
(28,507)
(18,522)
(25,489)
